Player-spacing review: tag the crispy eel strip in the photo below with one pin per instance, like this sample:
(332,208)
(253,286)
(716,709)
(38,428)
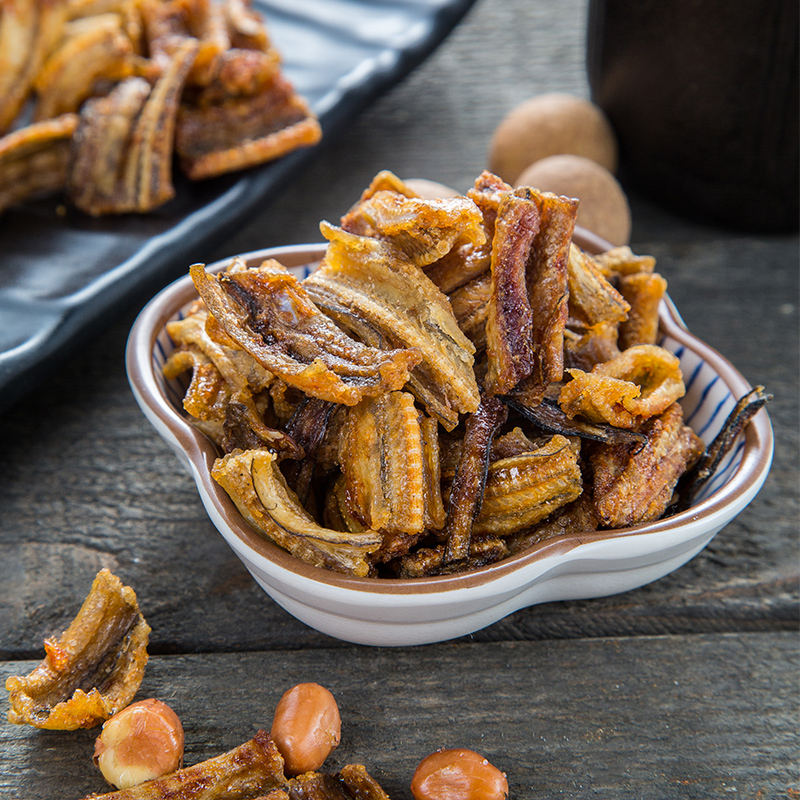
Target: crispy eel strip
(244,131)
(353,782)
(29,30)
(592,299)
(252,769)
(578,516)
(386,458)
(466,494)
(254,483)
(372,280)
(640,382)
(644,291)
(509,320)
(307,426)
(94,49)
(548,287)
(268,313)
(634,487)
(92,670)
(471,260)
(523,489)
(124,142)
(698,475)
(549,416)
(34,159)
(423,230)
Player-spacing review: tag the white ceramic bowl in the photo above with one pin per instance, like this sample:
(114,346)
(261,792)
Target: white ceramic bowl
(424,610)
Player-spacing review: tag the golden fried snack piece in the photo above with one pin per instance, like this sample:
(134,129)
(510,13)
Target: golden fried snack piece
(34,159)
(29,30)
(623,261)
(644,291)
(509,319)
(246,27)
(469,261)
(591,346)
(592,299)
(427,561)
(470,304)
(255,484)
(635,485)
(92,670)
(389,458)
(124,143)
(423,230)
(578,516)
(267,312)
(253,769)
(94,50)
(372,282)
(243,131)
(548,287)
(640,382)
(466,494)
(221,374)
(523,489)
(353,782)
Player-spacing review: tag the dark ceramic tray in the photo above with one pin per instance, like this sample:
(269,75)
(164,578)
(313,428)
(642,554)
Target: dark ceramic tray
(63,275)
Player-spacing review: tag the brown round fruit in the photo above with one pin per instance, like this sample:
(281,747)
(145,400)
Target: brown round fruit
(547,125)
(603,208)
(458,774)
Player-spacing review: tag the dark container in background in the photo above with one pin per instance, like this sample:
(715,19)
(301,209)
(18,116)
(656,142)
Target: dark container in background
(703,96)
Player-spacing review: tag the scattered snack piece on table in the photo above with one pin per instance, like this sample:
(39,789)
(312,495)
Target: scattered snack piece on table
(458,774)
(306,727)
(254,770)
(456,381)
(93,670)
(250,770)
(118,87)
(139,743)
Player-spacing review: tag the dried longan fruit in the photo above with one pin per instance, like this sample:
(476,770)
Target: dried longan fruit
(548,125)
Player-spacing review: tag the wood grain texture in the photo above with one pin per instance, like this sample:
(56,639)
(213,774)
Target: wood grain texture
(645,717)
(685,688)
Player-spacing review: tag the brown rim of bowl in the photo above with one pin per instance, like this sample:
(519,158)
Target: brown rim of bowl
(756,456)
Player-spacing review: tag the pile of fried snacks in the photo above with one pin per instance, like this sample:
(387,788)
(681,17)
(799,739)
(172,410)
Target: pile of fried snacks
(455,383)
(97,97)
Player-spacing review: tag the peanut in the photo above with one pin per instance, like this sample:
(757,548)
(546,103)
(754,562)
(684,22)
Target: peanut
(139,743)
(306,727)
(458,774)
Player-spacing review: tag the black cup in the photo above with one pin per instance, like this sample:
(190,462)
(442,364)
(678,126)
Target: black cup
(703,96)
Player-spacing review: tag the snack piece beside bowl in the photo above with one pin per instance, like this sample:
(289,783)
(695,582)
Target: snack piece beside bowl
(455,408)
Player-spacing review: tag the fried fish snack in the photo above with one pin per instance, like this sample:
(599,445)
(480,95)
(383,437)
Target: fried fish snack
(124,143)
(95,50)
(253,769)
(639,383)
(29,30)
(268,313)
(34,159)
(636,485)
(261,494)
(92,670)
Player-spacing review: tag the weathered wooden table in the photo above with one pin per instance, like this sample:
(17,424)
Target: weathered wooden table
(685,688)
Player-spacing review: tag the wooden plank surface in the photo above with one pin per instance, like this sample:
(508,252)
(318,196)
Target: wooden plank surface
(685,688)
(85,482)
(654,717)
